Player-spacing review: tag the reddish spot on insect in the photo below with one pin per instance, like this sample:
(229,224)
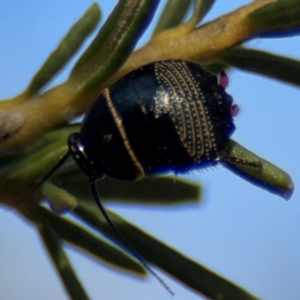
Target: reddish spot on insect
(223,80)
(234,110)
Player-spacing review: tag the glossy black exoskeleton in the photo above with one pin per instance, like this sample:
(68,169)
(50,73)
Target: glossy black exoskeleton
(167,116)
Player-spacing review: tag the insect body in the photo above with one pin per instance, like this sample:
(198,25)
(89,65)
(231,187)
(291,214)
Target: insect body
(165,116)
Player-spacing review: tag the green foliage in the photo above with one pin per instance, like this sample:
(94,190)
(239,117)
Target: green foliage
(27,154)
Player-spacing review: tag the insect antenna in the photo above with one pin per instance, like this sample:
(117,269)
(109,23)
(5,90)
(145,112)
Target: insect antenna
(54,169)
(123,240)
(108,220)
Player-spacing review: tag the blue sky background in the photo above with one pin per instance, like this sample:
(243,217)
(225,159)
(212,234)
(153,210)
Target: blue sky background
(240,231)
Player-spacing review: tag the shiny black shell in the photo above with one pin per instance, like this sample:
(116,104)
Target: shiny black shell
(167,116)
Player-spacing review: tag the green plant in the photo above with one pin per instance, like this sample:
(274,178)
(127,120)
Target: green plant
(97,68)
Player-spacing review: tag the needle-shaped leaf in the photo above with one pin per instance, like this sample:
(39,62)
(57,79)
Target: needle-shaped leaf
(189,272)
(33,155)
(53,245)
(201,7)
(60,56)
(261,62)
(94,245)
(276,19)
(39,163)
(166,190)
(114,43)
(172,15)
(59,199)
(66,49)
(257,170)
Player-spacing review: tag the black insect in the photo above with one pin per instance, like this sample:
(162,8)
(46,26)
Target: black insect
(167,116)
